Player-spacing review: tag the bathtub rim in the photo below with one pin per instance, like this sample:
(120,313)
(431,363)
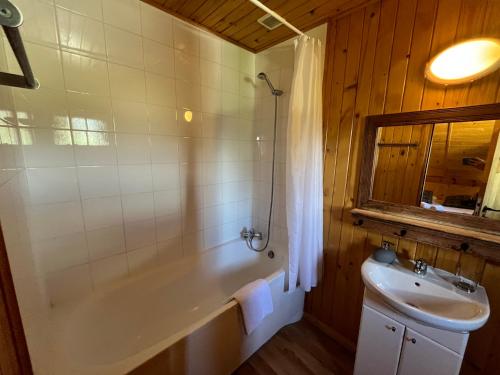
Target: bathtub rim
(133,361)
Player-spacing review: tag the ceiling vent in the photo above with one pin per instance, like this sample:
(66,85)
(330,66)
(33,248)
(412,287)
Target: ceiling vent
(269,22)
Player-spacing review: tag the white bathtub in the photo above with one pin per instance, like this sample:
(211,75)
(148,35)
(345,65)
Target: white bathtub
(174,319)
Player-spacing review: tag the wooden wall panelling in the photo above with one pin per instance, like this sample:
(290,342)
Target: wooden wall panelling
(488,85)
(364,243)
(390,80)
(332,118)
(343,146)
(444,31)
(471,20)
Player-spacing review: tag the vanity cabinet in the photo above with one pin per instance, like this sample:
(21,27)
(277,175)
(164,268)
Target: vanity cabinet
(390,343)
(379,344)
(421,355)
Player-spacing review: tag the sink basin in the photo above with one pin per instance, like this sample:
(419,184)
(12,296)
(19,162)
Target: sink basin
(431,299)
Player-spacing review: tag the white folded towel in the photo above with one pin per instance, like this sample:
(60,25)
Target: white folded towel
(256,303)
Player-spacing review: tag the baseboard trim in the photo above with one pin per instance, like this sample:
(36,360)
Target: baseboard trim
(346,343)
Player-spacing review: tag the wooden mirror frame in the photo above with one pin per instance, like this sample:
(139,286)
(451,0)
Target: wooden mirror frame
(367,173)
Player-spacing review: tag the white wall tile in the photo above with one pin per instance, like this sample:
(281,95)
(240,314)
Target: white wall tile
(130,117)
(100,152)
(61,252)
(158,58)
(124,14)
(211,100)
(53,220)
(90,8)
(230,55)
(127,83)
(96,182)
(140,234)
(109,269)
(213,195)
(156,24)
(162,120)
(191,150)
(230,104)
(42,108)
(124,47)
(39,21)
(168,227)
(187,66)
(193,221)
(102,212)
(105,242)
(166,176)
(164,149)
(167,202)
(133,149)
(47,148)
(210,47)
(230,80)
(211,74)
(188,95)
(191,198)
(247,62)
(52,185)
(186,38)
(81,34)
(138,207)
(90,112)
(191,174)
(160,90)
(85,74)
(135,178)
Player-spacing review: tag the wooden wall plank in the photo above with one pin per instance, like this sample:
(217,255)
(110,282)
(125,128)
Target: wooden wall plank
(332,116)
(445,29)
(472,15)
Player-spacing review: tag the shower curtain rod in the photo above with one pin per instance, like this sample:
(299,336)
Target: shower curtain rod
(276,15)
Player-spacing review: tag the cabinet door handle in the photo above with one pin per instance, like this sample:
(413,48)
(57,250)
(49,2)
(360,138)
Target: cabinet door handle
(392,328)
(413,341)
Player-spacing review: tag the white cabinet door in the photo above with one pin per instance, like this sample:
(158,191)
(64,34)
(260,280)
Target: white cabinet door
(379,344)
(422,356)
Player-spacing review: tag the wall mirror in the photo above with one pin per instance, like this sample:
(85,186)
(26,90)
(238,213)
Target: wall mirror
(438,165)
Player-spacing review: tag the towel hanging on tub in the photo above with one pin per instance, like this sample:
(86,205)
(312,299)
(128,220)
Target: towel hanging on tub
(256,303)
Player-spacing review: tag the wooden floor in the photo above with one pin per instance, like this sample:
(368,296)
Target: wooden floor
(299,349)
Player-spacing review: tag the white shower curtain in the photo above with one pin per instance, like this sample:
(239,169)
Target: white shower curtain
(304,166)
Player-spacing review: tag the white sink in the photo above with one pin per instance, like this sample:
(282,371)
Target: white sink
(431,299)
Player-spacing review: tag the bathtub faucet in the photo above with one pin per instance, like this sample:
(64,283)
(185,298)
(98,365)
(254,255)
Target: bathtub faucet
(250,234)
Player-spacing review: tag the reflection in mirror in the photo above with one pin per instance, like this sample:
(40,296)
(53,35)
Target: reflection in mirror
(448,167)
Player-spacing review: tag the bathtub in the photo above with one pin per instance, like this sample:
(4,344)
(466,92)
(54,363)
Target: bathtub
(175,319)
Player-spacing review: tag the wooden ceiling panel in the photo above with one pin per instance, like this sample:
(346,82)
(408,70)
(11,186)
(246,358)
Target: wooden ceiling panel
(236,20)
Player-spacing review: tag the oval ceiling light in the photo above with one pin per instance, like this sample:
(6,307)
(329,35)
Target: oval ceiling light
(465,61)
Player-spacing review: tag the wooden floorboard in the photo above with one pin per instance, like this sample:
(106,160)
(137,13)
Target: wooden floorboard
(298,349)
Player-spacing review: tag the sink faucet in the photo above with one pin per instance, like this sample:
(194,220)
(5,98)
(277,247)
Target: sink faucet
(420,267)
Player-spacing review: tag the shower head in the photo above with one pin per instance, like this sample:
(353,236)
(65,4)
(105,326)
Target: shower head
(274,91)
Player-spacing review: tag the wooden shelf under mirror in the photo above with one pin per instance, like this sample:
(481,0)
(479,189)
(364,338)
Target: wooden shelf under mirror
(437,170)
